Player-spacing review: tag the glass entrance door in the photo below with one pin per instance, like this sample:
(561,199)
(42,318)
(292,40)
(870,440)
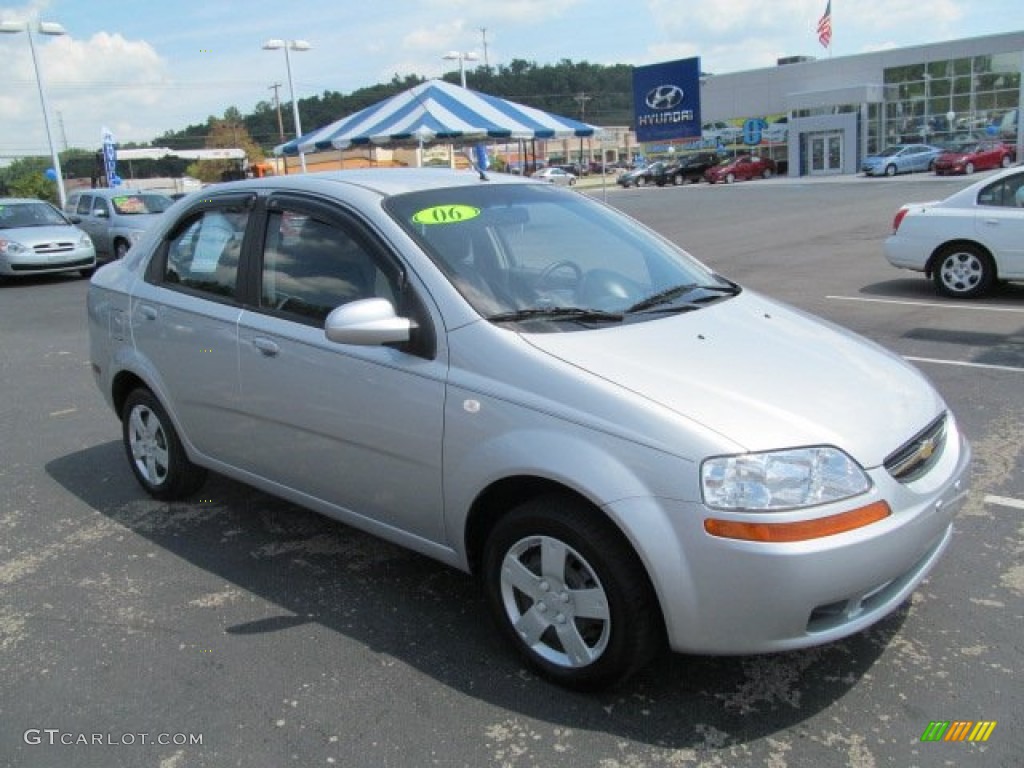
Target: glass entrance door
(826,151)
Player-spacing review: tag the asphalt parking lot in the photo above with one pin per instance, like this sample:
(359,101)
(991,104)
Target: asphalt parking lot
(274,637)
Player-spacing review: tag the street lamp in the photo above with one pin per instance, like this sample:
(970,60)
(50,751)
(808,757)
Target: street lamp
(463,58)
(295,45)
(43,28)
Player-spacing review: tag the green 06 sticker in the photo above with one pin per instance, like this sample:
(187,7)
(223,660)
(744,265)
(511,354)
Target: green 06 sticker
(446,214)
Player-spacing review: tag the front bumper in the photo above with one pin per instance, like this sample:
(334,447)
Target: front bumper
(726,596)
(32,263)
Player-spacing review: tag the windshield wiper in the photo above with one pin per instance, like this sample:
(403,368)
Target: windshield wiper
(671,294)
(581,314)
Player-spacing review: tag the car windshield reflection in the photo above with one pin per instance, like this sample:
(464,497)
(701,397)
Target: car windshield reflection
(523,253)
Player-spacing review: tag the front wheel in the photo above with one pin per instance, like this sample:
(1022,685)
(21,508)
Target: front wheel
(120,249)
(767,173)
(570,594)
(154,451)
(730,178)
(969,169)
(1005,162)
(964,272)
(890,170)
(677,180)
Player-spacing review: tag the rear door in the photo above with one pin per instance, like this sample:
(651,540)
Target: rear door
(184,319)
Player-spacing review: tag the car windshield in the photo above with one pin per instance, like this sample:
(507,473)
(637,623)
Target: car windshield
(128,205)
(18,215)
(536,254)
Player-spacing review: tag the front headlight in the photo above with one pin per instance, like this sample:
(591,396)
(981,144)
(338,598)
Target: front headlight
(775,480)
(85,241)
(12,247)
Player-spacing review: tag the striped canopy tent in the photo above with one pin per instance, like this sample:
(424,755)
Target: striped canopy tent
(437,111)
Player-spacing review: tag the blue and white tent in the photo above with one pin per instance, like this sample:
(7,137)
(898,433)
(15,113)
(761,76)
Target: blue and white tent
(437,111)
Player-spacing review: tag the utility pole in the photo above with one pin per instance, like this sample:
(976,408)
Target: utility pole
(582,100)
(483,33)
(277,103)
(63,133)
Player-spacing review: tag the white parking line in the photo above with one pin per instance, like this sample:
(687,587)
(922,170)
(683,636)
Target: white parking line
(934,361)
(976,307)
(1002,501)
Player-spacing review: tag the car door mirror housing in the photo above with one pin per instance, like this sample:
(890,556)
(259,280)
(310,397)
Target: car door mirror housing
(368,322)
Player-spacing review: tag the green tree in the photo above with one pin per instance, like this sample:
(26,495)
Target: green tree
(26,177)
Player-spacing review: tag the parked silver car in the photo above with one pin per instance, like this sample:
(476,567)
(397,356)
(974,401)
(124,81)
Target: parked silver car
(523,383)
(115,218)
(36,238)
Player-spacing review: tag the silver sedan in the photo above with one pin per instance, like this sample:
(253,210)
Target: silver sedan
(628,450)
(36,238)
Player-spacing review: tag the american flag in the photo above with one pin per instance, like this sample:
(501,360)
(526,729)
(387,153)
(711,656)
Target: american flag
(825,26)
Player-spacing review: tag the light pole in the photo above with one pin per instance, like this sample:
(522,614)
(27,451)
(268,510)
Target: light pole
(463,58)
(43,28)
(295,45)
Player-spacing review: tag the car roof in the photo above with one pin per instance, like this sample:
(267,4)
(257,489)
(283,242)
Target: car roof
(21,200)
(383,181)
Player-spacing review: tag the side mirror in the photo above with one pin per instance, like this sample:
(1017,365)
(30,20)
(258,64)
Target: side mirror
(75,219)
(367,323)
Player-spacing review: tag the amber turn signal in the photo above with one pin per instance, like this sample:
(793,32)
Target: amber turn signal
(801,530)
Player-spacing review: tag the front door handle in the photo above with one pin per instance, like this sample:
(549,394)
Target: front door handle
(148,312)
(266,346)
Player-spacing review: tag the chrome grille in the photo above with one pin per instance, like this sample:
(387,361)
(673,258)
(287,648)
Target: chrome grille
(919,454)
(61,247)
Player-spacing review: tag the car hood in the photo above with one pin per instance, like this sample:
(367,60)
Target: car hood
(952,157)
(762,375)
(39,235)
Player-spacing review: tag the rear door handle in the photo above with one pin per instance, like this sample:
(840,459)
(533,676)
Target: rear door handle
(266,346)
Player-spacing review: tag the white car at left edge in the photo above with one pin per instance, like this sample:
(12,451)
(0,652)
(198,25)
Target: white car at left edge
(967,242)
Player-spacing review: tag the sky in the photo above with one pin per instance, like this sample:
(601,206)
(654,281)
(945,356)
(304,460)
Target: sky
(149,66)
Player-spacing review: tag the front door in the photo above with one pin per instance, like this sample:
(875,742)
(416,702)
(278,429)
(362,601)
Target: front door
(358,427)
(826,153)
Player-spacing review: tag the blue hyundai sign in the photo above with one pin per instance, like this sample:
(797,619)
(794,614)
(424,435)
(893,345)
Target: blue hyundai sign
(666,100)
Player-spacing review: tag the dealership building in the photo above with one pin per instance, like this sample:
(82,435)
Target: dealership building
(823,116)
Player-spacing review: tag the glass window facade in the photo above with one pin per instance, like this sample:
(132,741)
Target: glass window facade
(938,101)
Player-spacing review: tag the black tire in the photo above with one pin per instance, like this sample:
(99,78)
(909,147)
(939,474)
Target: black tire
(766,173)
(1005,161)
(890,170)
(619,630)
(120,249)
(87,273)
(641,181)
(730,178)
(969,169)
(155,453)
(677,180)
(963,271)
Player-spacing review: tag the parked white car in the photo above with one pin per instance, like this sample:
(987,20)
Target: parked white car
(968,241)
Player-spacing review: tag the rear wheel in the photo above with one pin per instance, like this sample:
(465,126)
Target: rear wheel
(154,451)
(767,174)
(730,178)
(570,594)
(963,271)
(677,180)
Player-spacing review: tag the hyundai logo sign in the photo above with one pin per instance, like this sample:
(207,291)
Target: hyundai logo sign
(664,97)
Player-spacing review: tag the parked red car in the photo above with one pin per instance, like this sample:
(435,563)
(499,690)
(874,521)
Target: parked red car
(740,168)
(972,157)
